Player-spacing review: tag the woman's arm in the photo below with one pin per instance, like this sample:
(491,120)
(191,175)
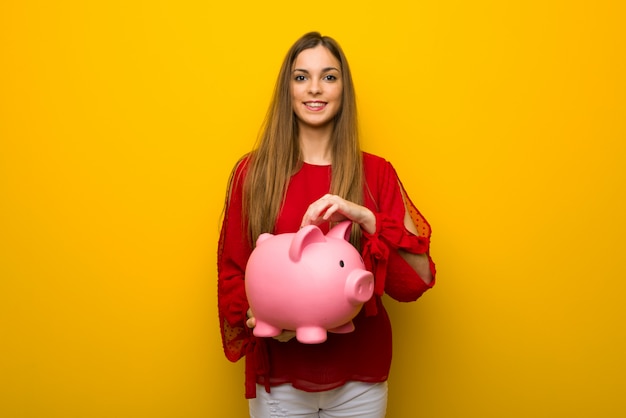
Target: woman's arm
(335,209)
(419,262)
(233,253)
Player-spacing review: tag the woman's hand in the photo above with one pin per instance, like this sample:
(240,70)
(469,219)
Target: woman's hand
(336,209)
(283,337)
(251,321)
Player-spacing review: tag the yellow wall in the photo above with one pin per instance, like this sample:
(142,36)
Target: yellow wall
(120,121)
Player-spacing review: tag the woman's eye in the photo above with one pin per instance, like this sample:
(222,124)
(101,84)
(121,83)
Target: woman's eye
(299,78)
(330,77)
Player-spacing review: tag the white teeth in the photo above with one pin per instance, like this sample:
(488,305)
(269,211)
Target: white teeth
(315,104)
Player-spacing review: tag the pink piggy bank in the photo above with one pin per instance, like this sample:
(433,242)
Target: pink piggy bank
(308,282)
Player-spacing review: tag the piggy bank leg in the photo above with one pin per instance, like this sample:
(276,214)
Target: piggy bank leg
(343,329)
(263,329)
(311,335)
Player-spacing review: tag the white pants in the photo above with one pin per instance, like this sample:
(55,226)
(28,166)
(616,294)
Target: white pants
(354,399)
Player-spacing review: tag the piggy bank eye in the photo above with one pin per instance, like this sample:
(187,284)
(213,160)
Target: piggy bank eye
(341,263)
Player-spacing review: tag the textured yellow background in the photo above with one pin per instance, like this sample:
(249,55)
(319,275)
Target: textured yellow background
(120,122)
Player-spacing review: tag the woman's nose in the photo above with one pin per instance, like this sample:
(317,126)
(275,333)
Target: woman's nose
(315,87)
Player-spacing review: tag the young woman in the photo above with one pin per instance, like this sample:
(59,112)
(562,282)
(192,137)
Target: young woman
(308,169)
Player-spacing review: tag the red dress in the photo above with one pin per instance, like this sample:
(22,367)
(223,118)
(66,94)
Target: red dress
(362,355)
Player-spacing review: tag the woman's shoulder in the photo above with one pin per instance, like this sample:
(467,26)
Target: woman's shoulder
(239,171)
(378,170)
(374,162)
(242,164)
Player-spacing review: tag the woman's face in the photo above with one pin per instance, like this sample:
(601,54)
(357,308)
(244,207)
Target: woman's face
(316,87)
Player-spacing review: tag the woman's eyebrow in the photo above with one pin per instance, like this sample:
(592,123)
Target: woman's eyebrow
(302,70)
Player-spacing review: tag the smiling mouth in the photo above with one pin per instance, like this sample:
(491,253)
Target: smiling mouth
(315,105)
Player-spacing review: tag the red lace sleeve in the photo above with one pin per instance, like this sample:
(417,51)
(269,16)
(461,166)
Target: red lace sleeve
(390,202)
(232,256)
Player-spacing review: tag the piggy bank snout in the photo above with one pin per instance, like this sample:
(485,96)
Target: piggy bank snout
(359,286)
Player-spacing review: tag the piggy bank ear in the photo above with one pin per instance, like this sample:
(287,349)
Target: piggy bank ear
(341,230)
(263,237)
(305,236)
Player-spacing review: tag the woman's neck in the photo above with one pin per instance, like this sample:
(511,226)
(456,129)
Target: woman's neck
(315,145)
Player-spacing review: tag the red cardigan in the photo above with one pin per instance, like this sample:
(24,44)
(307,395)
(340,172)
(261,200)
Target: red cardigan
(362,355)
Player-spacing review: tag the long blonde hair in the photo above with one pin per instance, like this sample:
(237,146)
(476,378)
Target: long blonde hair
(277,155)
